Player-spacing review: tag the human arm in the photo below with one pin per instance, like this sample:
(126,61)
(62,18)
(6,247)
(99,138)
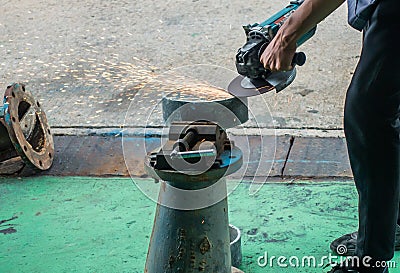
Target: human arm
(279,53)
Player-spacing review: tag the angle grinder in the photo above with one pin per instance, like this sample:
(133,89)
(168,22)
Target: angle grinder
(254,79)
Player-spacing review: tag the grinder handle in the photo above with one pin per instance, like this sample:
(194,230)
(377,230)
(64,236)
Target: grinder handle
(299,58)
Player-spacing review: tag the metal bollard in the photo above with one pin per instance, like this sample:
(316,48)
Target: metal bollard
(191,227)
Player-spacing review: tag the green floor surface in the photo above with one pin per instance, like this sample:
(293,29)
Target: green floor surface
(75,224)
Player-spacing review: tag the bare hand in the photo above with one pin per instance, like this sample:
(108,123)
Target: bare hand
(278,55)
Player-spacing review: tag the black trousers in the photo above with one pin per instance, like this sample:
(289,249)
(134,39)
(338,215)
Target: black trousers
(372,128)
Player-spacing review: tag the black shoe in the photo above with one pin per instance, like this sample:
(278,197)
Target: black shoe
(346,245)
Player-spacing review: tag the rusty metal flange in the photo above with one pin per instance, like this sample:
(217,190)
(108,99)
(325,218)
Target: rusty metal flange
(27,127)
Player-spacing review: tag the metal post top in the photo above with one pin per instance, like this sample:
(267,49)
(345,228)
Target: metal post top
(205,103)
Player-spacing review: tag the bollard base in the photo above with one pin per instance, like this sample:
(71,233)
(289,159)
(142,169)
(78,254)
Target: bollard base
(235,270)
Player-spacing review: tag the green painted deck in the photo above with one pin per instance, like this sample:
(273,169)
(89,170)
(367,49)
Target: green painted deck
(79,224)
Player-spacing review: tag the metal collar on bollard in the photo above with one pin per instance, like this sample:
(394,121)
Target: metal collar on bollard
(24,131)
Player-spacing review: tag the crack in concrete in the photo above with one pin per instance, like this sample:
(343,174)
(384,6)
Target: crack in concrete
(291,143)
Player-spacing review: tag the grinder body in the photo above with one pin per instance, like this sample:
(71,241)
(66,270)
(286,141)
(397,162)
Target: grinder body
(258,37)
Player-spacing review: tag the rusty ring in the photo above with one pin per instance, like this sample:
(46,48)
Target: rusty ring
(40,157)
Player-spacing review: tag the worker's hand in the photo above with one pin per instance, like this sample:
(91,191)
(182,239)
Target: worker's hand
(278,55)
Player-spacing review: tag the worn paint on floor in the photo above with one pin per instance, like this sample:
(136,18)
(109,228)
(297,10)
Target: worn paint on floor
(79,224)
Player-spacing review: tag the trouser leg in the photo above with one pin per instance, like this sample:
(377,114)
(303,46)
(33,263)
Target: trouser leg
(398,216)
(372,128)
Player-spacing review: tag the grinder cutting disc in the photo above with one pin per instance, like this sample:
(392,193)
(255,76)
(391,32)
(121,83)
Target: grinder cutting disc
(27,127)
(245,87)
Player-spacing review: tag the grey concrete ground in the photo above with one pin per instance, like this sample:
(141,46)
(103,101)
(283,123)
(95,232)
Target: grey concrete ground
(87,60)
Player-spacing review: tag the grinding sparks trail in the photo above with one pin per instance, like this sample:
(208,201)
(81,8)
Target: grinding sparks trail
(88,77)
(108,72)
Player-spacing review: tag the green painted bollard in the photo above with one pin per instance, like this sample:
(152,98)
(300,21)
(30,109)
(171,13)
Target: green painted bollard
(191,227)
(186,241)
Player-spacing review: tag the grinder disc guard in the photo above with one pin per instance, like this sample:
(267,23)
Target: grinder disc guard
(245,87)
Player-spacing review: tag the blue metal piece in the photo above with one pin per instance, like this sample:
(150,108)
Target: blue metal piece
(275,22)
(6,114)
(232,157)
(196,154)
(280,16)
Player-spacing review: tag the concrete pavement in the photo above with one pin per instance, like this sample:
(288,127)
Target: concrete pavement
(87,61)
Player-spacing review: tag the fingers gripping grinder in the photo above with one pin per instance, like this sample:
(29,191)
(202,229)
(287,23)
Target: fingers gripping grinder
(254,79)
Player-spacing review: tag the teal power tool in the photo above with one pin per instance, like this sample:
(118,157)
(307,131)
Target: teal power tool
(254,79)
